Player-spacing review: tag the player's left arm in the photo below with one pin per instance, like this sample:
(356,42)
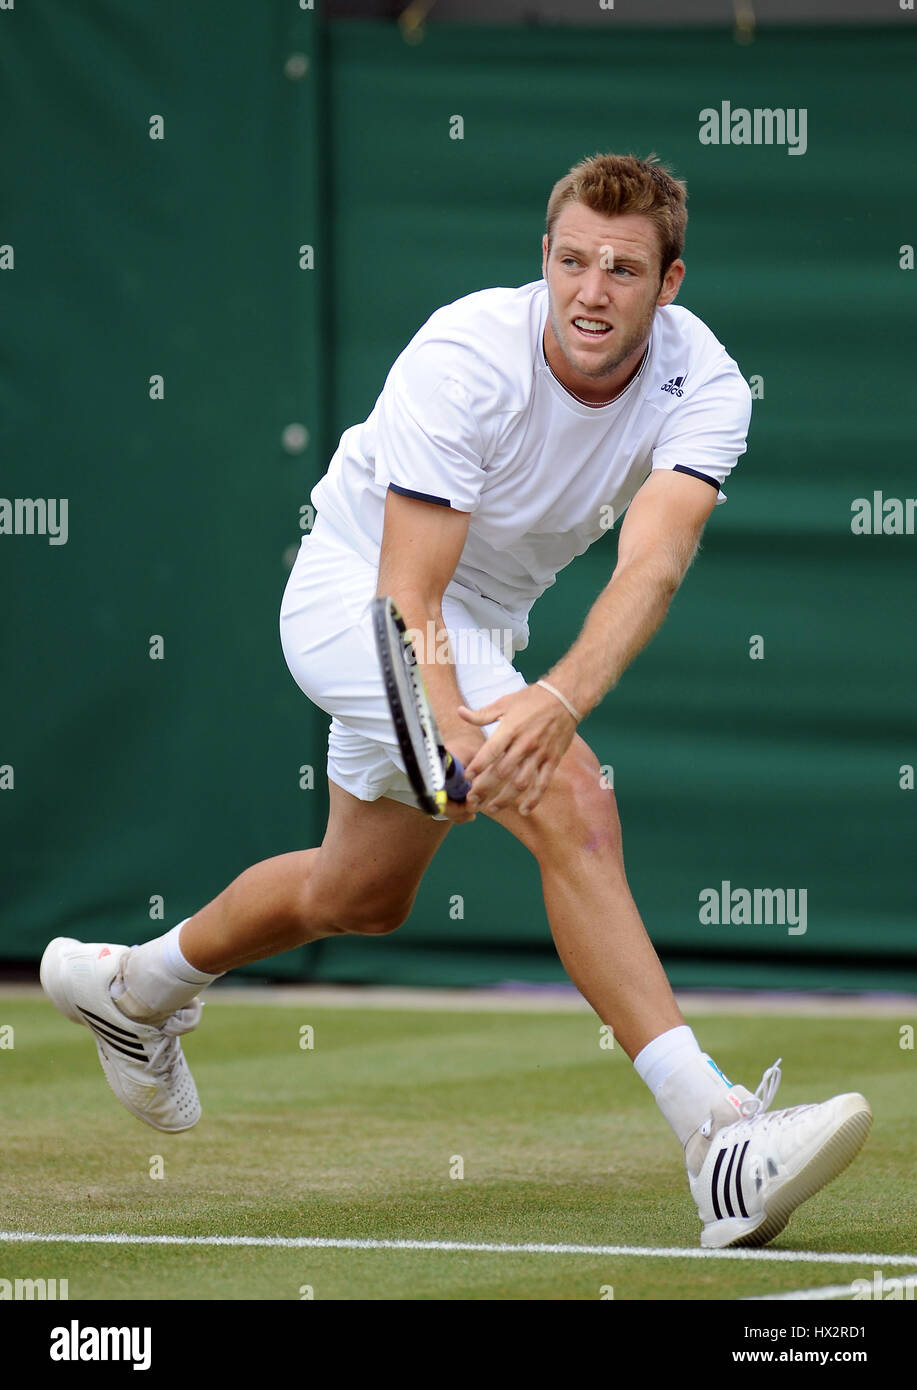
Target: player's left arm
(659,538)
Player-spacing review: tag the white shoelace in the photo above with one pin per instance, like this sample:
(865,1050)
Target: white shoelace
(762,1099)
(164,1056)
(755,1105)
(765,1093)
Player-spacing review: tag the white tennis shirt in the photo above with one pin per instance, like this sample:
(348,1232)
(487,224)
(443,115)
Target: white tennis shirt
(471,416)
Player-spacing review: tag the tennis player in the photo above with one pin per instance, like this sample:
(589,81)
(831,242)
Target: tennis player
(511,432)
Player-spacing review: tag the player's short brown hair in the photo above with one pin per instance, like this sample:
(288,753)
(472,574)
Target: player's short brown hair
(621,183)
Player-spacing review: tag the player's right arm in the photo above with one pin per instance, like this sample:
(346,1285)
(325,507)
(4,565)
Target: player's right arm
(422,543)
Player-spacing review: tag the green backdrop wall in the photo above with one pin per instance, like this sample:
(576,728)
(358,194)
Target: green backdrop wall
(137,786)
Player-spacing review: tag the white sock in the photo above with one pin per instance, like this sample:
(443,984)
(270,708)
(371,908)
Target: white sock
(686,1083)
(157,980)
(665,1054)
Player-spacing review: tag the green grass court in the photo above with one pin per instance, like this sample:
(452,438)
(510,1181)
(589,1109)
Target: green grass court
(355,1139)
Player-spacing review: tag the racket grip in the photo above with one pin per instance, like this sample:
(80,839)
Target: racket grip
(457,784)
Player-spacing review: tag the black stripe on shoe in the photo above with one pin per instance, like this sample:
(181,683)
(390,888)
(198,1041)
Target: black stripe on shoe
(139,1056)
(131,1046)
(739,1194)
(716,1172)
(732,1159)
(136,1049)
(112,1027)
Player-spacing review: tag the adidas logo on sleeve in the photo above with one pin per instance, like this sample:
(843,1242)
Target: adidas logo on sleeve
(675,385)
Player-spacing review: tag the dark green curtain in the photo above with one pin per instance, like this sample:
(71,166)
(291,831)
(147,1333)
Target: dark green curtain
(136,779)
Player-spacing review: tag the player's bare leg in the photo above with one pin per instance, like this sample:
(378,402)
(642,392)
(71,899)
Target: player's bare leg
(138,1001)
(363,878)
(748,1170)
(575,835)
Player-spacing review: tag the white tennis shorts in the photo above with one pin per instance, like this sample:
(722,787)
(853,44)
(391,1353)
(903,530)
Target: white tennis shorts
(327,638)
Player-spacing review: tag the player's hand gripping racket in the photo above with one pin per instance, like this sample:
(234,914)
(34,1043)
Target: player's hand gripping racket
(435,775)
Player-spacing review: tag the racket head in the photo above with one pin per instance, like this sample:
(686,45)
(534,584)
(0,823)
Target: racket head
(412,714)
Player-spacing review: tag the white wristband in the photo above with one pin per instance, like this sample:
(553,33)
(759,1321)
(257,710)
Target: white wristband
(562,698)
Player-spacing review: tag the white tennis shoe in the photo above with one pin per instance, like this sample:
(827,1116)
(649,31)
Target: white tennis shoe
(758,1169)
(144,1063)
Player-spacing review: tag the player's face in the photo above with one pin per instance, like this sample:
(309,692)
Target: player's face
(603,278)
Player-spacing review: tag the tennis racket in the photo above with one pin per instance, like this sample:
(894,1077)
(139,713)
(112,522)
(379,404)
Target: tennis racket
(435,776)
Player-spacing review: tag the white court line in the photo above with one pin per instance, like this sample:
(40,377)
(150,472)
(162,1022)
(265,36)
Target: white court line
(332,1243)
(803,1295)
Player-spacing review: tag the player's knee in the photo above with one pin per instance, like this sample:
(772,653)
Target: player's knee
(579,810)
(369,917)
(379,923)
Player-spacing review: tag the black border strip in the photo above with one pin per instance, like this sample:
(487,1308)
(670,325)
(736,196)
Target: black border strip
(420,496)
(680,468)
